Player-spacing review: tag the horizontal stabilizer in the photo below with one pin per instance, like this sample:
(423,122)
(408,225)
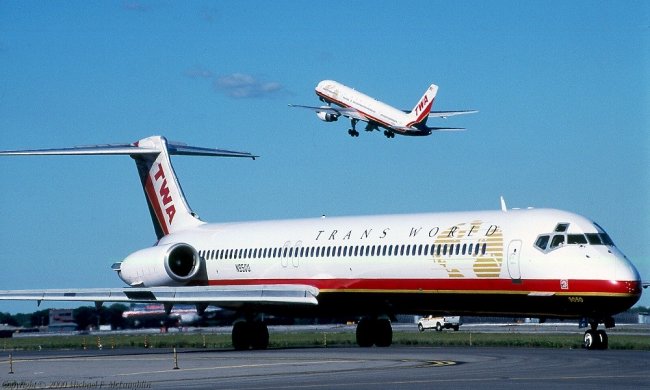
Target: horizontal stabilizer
(446,128)
(446,114)
(173,148)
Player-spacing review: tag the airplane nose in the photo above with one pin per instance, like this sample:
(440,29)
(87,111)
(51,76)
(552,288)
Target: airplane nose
(627,273)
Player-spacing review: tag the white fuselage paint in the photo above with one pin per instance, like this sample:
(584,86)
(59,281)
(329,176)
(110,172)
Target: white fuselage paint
(511,262)
(374,110)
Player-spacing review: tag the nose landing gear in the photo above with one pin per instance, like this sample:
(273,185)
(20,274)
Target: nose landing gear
(595,338)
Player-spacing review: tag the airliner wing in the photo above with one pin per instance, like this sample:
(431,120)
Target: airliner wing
(445,114)
(338,111)
(223,296)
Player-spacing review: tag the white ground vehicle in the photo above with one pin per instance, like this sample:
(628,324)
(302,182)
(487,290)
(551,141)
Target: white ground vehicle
(439,323)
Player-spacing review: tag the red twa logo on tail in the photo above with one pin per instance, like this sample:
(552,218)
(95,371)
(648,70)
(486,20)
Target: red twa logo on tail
(422,105)
(164,194)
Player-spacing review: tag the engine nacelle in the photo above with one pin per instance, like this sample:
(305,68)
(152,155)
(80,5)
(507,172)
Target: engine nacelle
(164,265)
(327,117)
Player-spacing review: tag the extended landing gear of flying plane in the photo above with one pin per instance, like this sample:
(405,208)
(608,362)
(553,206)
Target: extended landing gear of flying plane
(250,335)
(374,331)
(353,133)
(389,134)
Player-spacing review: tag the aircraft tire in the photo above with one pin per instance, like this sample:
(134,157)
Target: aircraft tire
(591,340)
(241,336)
(365,333)
(603,339)
(259,335)
(383,333)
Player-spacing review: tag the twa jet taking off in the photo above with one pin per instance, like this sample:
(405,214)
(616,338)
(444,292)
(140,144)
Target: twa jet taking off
(531,263)
(359,107)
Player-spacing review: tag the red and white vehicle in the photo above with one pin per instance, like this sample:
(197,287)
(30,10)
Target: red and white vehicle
(542,263)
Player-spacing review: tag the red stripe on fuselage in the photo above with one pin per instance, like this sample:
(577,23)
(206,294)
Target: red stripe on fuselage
(479,286)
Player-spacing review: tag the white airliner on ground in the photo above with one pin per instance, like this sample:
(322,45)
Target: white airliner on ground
(541,263)
(360,107)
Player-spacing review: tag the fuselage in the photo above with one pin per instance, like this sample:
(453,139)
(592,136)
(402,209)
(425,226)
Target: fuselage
(536,262)
(373,110)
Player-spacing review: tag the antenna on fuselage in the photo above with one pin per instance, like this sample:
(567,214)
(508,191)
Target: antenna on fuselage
(503,205)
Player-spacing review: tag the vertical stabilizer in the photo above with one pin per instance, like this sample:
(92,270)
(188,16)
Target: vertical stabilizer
(420,113)
(169,209)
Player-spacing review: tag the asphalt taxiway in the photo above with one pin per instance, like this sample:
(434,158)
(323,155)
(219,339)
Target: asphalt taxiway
(327,368)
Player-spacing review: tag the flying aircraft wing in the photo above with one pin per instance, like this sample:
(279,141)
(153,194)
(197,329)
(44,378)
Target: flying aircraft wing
(223,296)
(445,114)
(338,111)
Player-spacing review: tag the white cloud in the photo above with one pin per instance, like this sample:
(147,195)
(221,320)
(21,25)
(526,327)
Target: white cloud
(241,86)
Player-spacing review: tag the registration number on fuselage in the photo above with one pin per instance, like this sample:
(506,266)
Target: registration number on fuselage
(243,267)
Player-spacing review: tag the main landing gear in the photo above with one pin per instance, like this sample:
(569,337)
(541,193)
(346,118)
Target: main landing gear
(389,134)
(250,335)
(353,131)
(374,331)
(597,339)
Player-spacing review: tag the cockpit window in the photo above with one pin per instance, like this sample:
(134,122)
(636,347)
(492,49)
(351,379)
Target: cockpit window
(551,241)
(561,227)
(576,239)
(557,240)
(606,239)
(541,242)
(594,239)
(600,239)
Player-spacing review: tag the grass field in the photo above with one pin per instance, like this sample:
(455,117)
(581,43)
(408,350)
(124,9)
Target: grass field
(314,339)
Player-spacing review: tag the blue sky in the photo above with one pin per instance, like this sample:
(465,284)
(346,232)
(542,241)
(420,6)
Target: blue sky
(562,88)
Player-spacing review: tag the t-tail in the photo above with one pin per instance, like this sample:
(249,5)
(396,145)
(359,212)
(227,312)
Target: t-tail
(420,113)
(169,209)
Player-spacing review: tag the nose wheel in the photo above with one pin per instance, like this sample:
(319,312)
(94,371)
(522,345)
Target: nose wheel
(595,339)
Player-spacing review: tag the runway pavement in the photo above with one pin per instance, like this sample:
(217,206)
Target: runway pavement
(328,368)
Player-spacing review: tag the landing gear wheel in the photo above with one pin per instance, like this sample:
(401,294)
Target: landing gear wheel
(603,339)
(365,333)
(259,335)
(593,339)
(240,336)
(353,133)
(246,335)
(383,333)
(371,331)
